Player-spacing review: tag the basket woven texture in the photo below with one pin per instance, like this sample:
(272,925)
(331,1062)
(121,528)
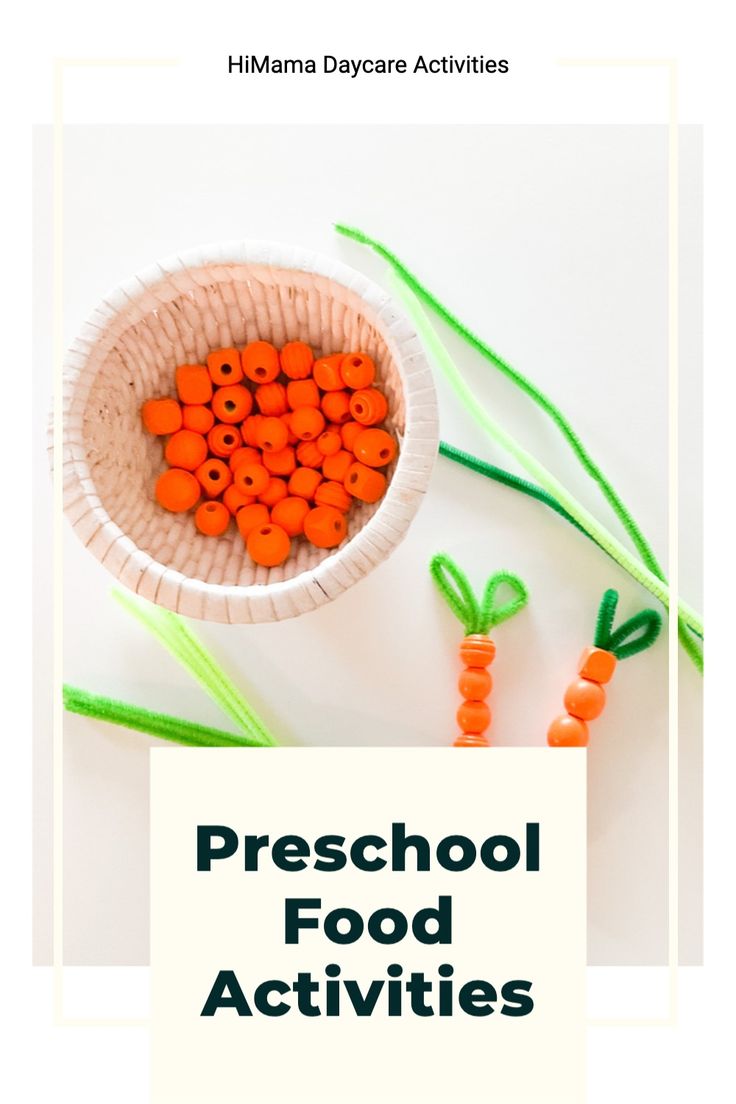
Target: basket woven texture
(176,312)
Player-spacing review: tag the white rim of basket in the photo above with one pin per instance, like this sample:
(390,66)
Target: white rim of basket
(259,602)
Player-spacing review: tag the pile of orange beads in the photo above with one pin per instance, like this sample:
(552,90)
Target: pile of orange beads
(276,440)
(585,698)
(477,650)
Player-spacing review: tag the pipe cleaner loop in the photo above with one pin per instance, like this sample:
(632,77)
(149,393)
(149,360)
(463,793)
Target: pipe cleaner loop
(456,590)
(476,617)
(492,614)
(632,636)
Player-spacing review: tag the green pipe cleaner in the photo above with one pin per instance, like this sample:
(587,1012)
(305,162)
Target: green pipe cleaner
(686,618)
(162,725)
(477,615)
(632,636)
(689,643)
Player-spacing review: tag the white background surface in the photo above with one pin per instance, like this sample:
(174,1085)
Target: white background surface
(551,243)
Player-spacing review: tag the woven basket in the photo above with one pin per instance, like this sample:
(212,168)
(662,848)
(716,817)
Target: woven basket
(176,312)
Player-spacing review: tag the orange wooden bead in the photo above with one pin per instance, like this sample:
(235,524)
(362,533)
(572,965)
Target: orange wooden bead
(199,419)
(304,482)
(471,739)
(271,399)
(224,367)
(336,466)
(329,442)
(177,490)
(365,483)
(474,716)
(232,404)
(251,479)
(597,665)
(269,545)
(296,360)
(260,362)
(475,683)
(274,491)
(307,423)
(303,392)
(161,416)
(186,450)
(223,440)
(336,407)
(357,370)
(326,371)
(374,447)
(249,429)
(244,455)
(325,527)
(235,499)
(350,431)
(368,406)
(250,517)
(193,383)
(282,462)
(291,438)
(477,650)
(290,513)
(212,518)
(308,455)
(272,435)
(214,476)
(585,699)
(334,494)
(567,731)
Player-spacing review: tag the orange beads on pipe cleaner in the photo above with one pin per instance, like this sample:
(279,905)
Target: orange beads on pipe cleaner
(477,650)
(585,697)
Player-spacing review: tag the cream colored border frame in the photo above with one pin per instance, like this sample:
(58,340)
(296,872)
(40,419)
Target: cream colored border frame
(670,68)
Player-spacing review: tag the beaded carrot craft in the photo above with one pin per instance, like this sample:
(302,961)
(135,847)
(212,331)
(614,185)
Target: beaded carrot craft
(585,698)
(477,650)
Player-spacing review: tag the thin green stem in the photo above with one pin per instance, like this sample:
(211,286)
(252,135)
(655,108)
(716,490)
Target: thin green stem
(692,648)
(180,640)
(162,725)
(550,483)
